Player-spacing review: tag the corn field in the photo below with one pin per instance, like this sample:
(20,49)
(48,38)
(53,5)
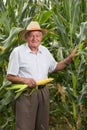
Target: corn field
(66,21)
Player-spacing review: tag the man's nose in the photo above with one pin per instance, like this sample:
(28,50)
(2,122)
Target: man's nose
(34,37)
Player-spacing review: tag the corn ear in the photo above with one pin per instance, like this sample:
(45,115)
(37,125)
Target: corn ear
(44,81)
(19,88)
(16,86)
(41,82)
(22,88)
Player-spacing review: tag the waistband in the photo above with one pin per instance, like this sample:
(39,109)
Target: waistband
(27,92)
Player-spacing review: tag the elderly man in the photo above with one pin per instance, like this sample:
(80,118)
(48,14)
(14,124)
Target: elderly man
(28,63)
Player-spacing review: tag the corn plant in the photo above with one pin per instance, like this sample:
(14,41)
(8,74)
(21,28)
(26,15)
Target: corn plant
(71,27)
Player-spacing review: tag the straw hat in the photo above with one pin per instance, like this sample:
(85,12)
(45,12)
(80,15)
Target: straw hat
(33,26)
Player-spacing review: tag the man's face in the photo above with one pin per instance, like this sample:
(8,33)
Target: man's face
(34,38)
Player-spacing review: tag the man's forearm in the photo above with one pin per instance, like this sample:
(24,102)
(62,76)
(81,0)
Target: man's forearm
(63,64)
(15,79)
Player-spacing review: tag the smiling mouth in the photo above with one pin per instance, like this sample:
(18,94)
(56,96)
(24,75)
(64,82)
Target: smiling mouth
(34,42)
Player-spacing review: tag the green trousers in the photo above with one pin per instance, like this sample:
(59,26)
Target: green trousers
(32,112)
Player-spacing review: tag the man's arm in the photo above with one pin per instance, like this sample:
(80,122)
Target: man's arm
(63,64)
(16,79)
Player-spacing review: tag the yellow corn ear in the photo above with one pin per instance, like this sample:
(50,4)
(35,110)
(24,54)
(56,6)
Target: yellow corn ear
(41,82)
(22,87)
(44,81)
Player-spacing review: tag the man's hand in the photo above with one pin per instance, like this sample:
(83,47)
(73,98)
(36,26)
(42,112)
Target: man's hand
(30,82)
(73,53)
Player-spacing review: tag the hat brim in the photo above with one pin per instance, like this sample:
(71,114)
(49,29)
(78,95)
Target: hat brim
(22,33)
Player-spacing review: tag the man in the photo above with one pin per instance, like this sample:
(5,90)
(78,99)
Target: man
(29,63)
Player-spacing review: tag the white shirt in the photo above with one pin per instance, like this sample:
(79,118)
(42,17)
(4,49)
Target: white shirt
(23,62)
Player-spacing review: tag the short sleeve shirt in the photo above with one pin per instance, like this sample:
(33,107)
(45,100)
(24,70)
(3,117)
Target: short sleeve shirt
(23,62)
